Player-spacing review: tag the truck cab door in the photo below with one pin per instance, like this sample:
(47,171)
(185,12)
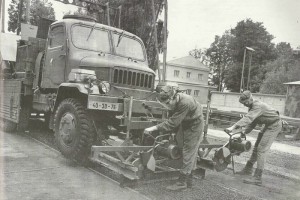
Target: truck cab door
(55,58)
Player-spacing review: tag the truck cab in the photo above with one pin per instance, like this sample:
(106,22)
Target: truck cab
(116,56)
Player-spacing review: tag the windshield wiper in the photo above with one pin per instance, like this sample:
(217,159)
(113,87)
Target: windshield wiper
(91,32)
(120,37)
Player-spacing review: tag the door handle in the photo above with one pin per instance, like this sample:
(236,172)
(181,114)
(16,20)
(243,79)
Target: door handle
(61,55)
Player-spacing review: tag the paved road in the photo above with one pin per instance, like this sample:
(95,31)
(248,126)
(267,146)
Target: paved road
(31,170)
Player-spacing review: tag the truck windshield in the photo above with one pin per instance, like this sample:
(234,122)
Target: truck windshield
(90,38)
(128,46)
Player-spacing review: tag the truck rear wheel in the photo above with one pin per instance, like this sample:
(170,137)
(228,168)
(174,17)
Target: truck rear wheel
(74,131)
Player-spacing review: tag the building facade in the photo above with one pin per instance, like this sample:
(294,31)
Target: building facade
(190,75)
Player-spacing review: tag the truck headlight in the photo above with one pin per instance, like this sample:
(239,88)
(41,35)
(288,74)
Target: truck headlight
(104,87)
(81,75)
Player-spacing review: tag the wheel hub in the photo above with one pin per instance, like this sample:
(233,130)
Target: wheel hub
(67,128)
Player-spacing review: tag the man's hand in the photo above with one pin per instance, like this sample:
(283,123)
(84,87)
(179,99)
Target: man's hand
(229,130)
(150,129)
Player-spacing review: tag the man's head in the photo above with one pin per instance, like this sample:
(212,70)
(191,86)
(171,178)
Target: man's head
(246,98)
(167,95)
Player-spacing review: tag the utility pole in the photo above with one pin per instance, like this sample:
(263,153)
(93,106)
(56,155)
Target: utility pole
(107,12)
(165,40)
(155,39)
(2,6)
(28,11)
(20,16)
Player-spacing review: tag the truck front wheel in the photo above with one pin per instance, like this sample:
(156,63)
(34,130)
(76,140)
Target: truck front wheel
(74,132)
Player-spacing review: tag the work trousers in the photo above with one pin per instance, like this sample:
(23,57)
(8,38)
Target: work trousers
(192,136)
(263,143)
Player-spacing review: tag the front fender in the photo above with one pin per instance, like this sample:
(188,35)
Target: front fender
(82,88)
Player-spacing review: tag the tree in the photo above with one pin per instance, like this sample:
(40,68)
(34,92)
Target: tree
(41,9)
(38,9)
(219,58)
(249,34)
(286,68)
(16,15)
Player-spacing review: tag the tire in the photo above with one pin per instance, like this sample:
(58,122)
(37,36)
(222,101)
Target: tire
(74,131)
(8,126)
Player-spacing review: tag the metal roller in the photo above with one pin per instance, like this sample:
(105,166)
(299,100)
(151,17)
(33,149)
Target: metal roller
(171,151)
(242,146)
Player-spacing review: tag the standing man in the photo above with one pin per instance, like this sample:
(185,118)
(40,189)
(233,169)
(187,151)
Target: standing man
(259,113)
(187,112)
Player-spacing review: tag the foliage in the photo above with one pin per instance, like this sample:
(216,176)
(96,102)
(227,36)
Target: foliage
(220,58)
(38,9)
(249,34)
(226,55)
(41,9)
(13,15)
(200,54)
(286,68)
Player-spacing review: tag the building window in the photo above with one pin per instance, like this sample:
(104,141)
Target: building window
(176,73)
(196,93)
(188,74)
(188,91)
(200,77)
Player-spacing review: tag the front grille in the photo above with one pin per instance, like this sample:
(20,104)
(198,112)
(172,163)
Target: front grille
(132,78)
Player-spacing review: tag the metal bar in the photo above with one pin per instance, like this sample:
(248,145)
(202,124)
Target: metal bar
(120,156)
(120,148)
(130,157)
(117,166)
(129,117)
(209,146)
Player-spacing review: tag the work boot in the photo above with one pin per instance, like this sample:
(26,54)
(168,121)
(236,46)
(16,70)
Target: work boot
(180,184)
(256,178)
(247,170)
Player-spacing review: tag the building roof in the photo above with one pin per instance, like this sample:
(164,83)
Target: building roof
(188,61)
(293,83)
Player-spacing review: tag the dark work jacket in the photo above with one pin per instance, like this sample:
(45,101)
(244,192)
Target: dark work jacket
(187,110)
(259,113)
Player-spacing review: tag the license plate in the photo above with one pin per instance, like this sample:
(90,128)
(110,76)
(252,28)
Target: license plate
(103,106)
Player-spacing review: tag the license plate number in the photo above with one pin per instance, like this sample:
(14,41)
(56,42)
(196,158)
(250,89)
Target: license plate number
(103,106)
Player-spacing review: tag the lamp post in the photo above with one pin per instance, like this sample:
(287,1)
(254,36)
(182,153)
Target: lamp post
(248,80)
(242,84)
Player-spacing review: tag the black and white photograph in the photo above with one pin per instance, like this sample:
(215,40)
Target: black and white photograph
(150,100)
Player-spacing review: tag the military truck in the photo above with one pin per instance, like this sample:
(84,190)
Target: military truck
(88,79)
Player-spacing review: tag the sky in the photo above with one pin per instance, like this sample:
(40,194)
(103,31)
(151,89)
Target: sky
(195,23)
